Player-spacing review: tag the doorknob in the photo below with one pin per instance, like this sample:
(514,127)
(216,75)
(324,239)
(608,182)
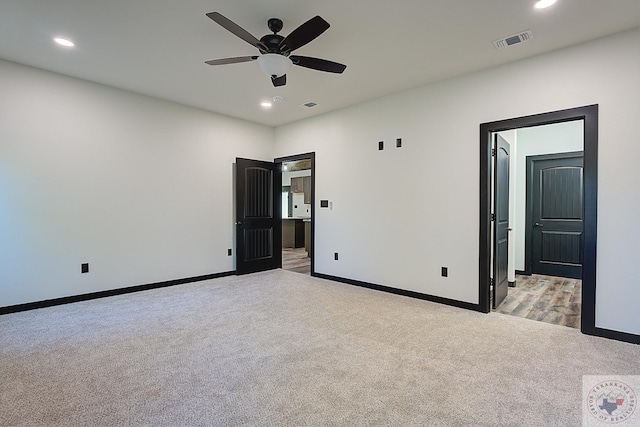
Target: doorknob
(537,224)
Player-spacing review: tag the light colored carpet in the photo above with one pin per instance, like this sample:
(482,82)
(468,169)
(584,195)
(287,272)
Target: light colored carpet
(280,348)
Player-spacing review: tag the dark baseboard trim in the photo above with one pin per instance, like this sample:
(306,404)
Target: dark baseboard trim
(615,335)
(403,292)
(598,332)
(512,284)
(108,293)
(522,273)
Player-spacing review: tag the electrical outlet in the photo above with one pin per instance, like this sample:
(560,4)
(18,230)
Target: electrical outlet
(399,142)
(445,272)
(380,145)
(229,252)
(84,268)
(335,256)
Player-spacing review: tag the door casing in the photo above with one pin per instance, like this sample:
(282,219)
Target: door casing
(589,115)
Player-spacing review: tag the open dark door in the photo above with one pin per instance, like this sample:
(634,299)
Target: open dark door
(258,219)
(501,223)
(556,211)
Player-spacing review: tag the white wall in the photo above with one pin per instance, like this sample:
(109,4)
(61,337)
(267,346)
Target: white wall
(538,140)
(434,177)
(139,188)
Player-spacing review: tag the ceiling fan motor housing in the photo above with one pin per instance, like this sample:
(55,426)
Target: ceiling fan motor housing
(272,41)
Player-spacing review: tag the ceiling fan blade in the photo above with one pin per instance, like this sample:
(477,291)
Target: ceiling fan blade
(318,64)
(304,34)
(237,30)
(279,81)
(231,60)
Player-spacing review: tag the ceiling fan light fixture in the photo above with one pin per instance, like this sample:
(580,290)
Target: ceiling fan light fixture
(273,64)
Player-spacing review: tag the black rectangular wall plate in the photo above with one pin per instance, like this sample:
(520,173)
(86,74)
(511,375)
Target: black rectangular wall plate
(399,142)
(380,145)
(324,203)
(335,256)
(84,268)
(445,271)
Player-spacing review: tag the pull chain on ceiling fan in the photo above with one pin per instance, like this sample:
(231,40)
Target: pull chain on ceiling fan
(275,57)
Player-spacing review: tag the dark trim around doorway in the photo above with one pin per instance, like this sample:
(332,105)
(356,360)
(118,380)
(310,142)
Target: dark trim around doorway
(590,116)
(312,157)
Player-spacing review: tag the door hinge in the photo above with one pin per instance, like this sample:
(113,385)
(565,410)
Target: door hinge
(493,217)
(493,152)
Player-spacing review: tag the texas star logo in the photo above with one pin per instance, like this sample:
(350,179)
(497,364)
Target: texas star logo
(611,401)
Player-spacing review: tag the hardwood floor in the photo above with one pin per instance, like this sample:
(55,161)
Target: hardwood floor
(296,260)
(555,300)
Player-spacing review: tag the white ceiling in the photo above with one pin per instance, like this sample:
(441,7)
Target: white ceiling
(158,47)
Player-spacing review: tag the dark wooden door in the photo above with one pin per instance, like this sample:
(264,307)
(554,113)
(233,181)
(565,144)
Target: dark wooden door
(557,213)
(258,218)
(501,222)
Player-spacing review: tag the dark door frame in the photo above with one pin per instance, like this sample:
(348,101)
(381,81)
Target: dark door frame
(312,157)
(528,240)
(589,115)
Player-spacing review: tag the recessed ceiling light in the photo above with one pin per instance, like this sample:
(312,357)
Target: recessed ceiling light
(543,4)
(266,104)
(64,42)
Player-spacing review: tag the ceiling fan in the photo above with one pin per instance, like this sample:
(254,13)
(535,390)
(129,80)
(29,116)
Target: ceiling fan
(275,57)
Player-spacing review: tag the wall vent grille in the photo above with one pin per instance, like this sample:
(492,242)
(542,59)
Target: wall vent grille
(515,39)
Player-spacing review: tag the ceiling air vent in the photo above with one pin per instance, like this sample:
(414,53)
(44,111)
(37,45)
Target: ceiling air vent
(308,105)
(513,40)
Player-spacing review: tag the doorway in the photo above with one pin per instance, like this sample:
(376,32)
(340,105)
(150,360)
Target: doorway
(298,185)
(259,208)
(549,288)
(589,121)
